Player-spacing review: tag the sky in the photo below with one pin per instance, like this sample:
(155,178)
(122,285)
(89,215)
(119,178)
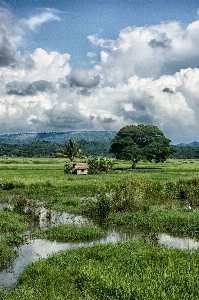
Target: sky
(100,65)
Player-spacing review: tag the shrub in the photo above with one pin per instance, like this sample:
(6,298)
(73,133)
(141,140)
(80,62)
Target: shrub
(99,164)
(7,185)
(69,168)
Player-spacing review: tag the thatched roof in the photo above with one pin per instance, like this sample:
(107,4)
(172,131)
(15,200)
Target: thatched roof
(81,166)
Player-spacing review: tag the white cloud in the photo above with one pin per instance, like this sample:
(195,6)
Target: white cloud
(80,77)
(99,41)
(147,75)
(39,19)
(91,54)
(149,51)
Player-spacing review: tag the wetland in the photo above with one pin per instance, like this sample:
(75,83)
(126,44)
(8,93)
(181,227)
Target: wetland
(123,235)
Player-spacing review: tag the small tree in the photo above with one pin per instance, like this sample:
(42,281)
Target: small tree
(141,142)
(71,151)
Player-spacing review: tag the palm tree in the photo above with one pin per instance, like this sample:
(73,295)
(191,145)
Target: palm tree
(72,150)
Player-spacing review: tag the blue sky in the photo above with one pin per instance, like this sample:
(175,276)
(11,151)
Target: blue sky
(99,65)
(81,18)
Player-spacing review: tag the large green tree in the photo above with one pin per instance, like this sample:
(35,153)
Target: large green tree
(71,150)
(141,142)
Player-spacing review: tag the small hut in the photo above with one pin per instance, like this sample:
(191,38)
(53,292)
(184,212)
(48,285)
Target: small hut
(81,168)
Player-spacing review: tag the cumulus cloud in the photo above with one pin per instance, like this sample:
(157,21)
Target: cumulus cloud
(66,116)
(149,51)
(7,39)
(7,53)
(147,75)
(100,41)
(162,42)
(11,35)
(167,90)
(25,88)
(81,78)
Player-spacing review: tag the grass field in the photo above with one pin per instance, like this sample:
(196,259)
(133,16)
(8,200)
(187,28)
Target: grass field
(35,177)
(157,197)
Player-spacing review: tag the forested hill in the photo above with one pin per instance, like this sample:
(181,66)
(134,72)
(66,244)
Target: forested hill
(57,137)
(92,143)
(193,144)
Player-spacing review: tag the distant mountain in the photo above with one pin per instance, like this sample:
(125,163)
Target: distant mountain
(193,144)
(57,137)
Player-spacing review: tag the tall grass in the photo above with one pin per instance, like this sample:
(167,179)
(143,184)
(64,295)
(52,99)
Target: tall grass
(140,195)
(71,204)
(161,220)
(155,205)
(121,191)
(155,197)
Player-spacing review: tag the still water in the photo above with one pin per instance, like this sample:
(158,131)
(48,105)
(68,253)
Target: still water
(34,249)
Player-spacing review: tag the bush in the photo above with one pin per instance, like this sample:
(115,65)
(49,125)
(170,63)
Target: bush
(69,168)
(99,164)
(7,185)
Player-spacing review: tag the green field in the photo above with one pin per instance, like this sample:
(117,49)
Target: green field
(25,174)
(153,197)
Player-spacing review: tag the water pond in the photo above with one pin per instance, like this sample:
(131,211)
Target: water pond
(34,248)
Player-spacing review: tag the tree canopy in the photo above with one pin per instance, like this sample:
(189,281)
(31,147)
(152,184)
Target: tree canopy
(141,142)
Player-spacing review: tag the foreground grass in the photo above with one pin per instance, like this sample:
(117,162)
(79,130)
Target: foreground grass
(68,232)
(11,225)
(126,271)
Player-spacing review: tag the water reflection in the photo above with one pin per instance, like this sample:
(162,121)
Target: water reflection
(34,249)
(29,252)
(178,242)
(40,217)
(39,248)
(51,218)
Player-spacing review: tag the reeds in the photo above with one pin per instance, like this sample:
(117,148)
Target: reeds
(156,205)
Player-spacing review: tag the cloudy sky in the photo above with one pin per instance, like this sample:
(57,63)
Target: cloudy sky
(100,65)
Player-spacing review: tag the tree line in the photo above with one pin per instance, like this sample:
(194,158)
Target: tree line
(49,149)
(129,143)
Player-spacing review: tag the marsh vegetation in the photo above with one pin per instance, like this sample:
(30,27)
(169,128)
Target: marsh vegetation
(134,270)
(154,198)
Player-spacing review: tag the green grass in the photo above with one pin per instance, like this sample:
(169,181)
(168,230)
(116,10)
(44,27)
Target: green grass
(123,271)
(11,225)
(173,184)
(44,178)
(71,204)
(151,205)
(160,220)
(70,233)
(153,197)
